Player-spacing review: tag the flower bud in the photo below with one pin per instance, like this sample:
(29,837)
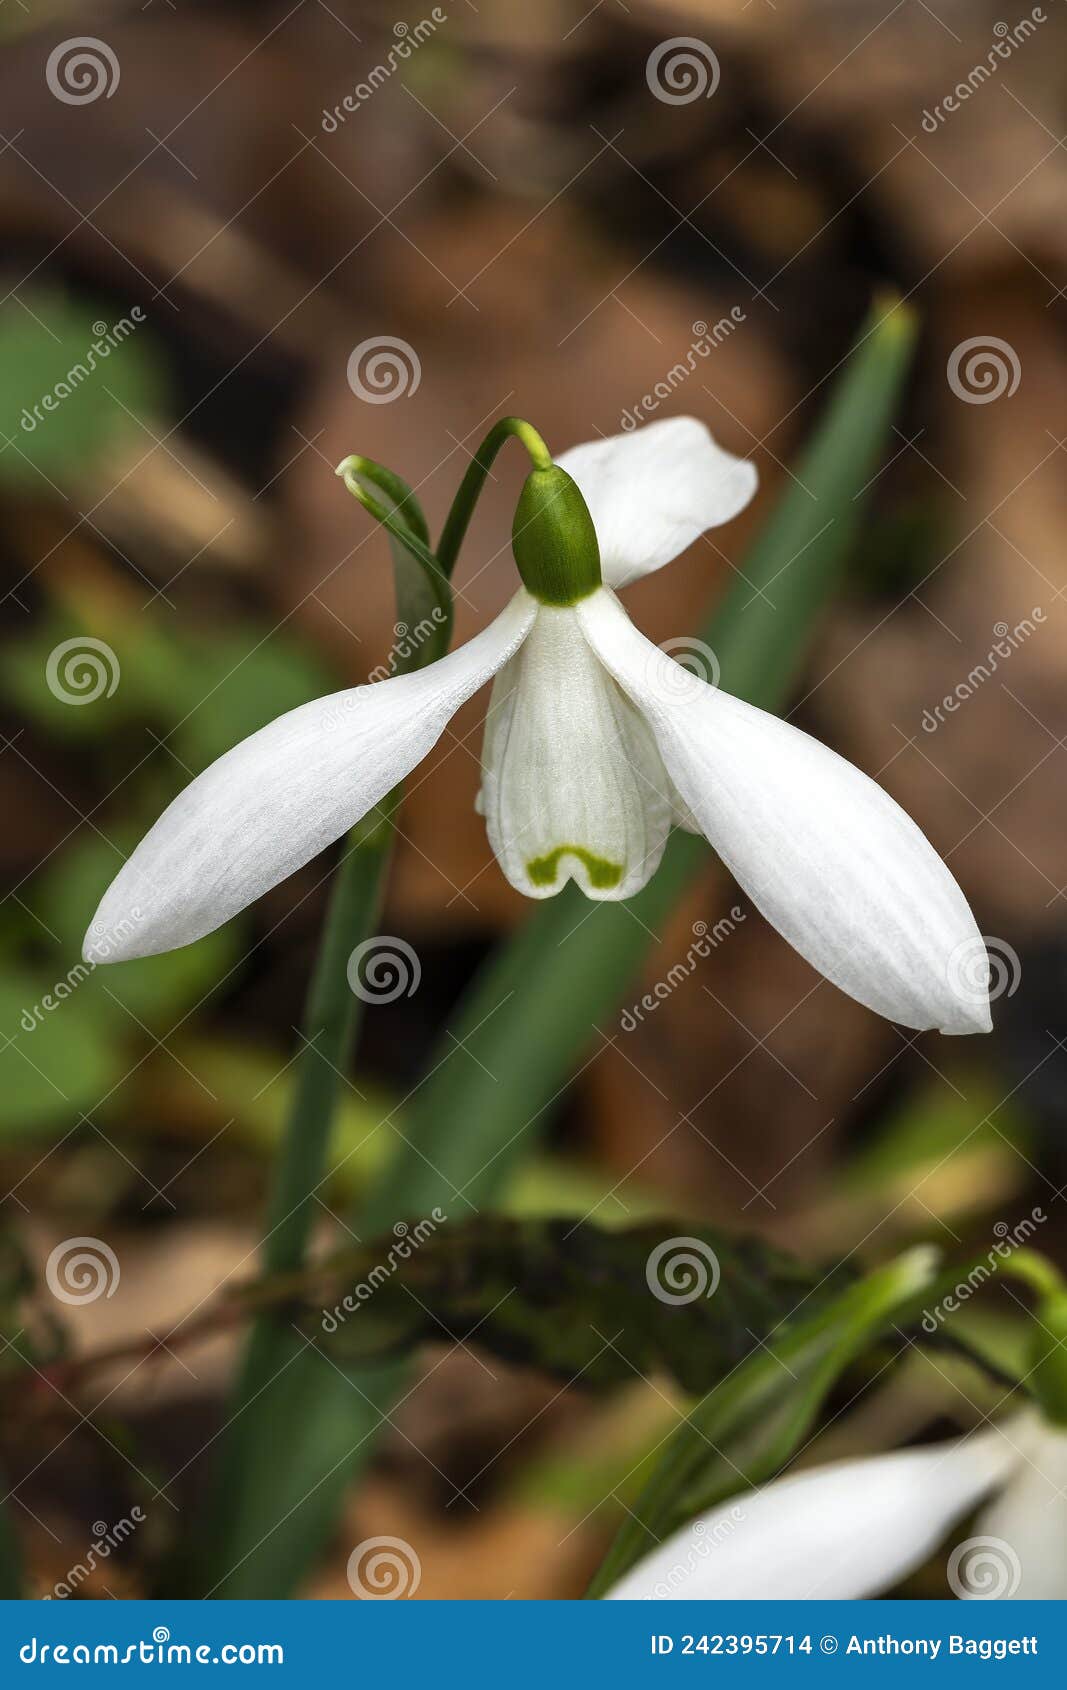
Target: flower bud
(554,540)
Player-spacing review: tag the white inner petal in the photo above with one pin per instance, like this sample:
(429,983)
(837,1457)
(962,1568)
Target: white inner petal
(573,786)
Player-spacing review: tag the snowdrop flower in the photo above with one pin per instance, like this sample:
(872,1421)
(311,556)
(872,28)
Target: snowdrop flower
(855,1529)
(596,743)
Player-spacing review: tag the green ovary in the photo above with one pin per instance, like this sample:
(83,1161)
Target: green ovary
(543,871)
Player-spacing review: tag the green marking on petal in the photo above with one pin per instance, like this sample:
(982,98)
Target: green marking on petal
(543,871)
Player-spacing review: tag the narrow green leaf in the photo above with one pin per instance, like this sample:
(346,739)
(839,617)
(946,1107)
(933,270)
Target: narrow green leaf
(751,1423)
(249,1458)
(530,1016)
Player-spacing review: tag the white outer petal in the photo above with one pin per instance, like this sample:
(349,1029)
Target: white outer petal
(1030,1517)
(568,761)
(844,1531)
(653,492)
(827,856)
(285,793)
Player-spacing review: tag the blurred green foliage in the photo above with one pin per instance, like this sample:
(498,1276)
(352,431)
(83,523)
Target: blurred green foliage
(71,1032)
(76,379)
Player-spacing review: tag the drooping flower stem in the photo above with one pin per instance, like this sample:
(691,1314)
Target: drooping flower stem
(458,519)
(553,537)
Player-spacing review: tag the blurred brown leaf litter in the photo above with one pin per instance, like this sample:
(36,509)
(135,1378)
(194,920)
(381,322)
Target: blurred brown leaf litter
(548,237)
